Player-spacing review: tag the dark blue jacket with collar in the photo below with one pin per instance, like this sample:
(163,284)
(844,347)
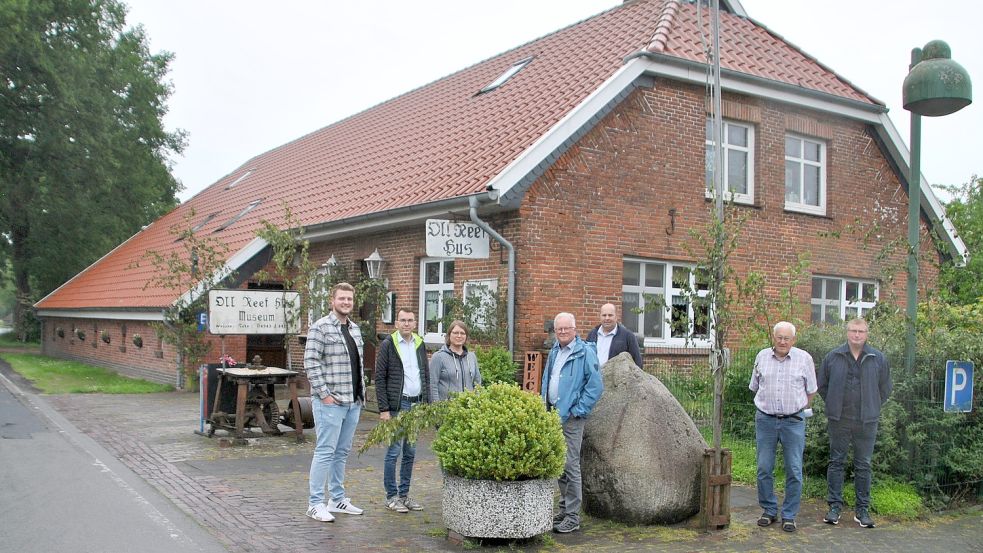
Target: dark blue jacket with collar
(623,340)
(875,381)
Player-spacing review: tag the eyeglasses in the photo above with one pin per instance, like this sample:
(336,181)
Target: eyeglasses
(407,320)
(565,328)
(784,338)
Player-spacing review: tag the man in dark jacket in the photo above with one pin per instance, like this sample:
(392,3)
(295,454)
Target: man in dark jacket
(402,380)
(854,381)
(613,338)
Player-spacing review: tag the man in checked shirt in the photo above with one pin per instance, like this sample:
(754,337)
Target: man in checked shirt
(784,381)
(333,361)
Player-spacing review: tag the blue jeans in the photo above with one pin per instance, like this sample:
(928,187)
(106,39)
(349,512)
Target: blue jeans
(406,467)
(335,426)
(768,433)
(842,433)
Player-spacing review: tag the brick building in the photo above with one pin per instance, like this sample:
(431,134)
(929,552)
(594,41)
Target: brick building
(586,150)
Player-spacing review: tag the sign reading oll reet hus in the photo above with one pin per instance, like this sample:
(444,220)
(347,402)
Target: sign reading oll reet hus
(253,312)
(449,239)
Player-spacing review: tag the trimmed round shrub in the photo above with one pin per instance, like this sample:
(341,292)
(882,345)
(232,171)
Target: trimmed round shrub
(500,432)
(496,365)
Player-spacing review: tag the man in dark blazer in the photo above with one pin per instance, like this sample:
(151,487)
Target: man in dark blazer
(613,338)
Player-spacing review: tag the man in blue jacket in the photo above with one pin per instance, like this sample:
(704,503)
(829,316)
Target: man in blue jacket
(572,384)
(854,381)
(612,338)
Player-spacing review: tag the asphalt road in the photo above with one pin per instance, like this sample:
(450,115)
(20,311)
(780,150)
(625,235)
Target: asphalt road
(61,491)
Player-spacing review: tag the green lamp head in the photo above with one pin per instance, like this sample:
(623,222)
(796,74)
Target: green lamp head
(936,85)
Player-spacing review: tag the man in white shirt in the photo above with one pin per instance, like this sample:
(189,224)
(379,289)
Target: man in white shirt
(613,338)
(402,380)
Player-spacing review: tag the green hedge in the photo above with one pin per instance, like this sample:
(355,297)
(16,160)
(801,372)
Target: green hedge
(496,365)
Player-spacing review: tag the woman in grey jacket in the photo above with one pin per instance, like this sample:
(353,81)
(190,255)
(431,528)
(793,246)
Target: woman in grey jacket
(453,368)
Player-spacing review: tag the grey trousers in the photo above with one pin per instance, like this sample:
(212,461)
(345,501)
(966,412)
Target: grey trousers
(571,489)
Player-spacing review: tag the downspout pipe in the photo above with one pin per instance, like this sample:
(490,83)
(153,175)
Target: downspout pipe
(473,203)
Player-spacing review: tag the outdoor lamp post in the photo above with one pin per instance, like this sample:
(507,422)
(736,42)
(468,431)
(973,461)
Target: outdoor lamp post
(373,264)
(935,86)
(328,266)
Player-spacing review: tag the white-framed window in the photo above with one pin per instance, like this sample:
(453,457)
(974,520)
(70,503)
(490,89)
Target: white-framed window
(738,161)
(805,175)
(665,302)
(436,286)
(319,303)
(835,300)
(484,294)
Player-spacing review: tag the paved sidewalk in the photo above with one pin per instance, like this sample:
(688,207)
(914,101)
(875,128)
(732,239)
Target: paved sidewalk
(253,498)
(62,491)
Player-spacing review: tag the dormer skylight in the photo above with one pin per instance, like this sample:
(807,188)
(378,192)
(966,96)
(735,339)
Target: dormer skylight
(241,178)
(199,226)
(204,222)
(509,73)
(241,214)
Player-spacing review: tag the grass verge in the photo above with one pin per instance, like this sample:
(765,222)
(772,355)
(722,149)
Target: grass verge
(58,376)
(8,340)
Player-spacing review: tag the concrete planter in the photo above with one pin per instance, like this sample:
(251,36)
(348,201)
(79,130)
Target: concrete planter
(491,509)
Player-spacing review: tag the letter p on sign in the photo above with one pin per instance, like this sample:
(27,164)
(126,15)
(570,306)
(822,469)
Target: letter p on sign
(958,386)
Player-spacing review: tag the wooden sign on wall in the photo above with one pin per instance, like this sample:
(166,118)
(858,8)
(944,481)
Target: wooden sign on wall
(532,371)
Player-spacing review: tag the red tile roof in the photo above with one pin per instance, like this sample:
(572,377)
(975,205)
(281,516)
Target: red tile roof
(439,141)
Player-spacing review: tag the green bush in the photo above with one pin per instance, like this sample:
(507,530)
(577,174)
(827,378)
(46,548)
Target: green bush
(917,442)
(496,365)
(500,432)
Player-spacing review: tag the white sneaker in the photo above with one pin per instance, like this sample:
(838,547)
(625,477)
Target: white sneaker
(343,506)
(320,512)
(396,504)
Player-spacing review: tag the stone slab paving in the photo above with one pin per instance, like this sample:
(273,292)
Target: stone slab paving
(253,497)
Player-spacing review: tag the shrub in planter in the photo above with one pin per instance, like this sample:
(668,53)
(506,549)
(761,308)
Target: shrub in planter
(138,340)
(80,334)
(500,432)
(500,450)
(60,332)
(105,337)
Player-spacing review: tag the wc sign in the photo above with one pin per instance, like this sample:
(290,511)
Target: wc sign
(958,386)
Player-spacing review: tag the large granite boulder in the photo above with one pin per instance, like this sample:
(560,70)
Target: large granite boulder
(642,453)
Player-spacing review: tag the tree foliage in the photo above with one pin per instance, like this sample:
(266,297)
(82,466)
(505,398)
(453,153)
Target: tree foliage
(83,151)
(191,271)
(964,285)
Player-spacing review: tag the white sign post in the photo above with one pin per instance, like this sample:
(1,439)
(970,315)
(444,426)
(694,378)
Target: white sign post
(449,239)
(253,312)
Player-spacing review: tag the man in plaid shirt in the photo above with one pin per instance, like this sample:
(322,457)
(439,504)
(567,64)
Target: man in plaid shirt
(783,382)
(333,361)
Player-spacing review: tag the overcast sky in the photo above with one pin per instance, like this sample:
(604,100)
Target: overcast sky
(250,75)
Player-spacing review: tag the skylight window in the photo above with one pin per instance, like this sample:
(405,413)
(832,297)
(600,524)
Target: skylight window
(240,179)
(197,227)
(204,222)
(241,214)
(509,73)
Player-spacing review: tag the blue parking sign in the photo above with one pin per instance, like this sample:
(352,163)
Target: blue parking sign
(202,321)
(958,386)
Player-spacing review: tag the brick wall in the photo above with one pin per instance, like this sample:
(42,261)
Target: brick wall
(154,361)
(609,196)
